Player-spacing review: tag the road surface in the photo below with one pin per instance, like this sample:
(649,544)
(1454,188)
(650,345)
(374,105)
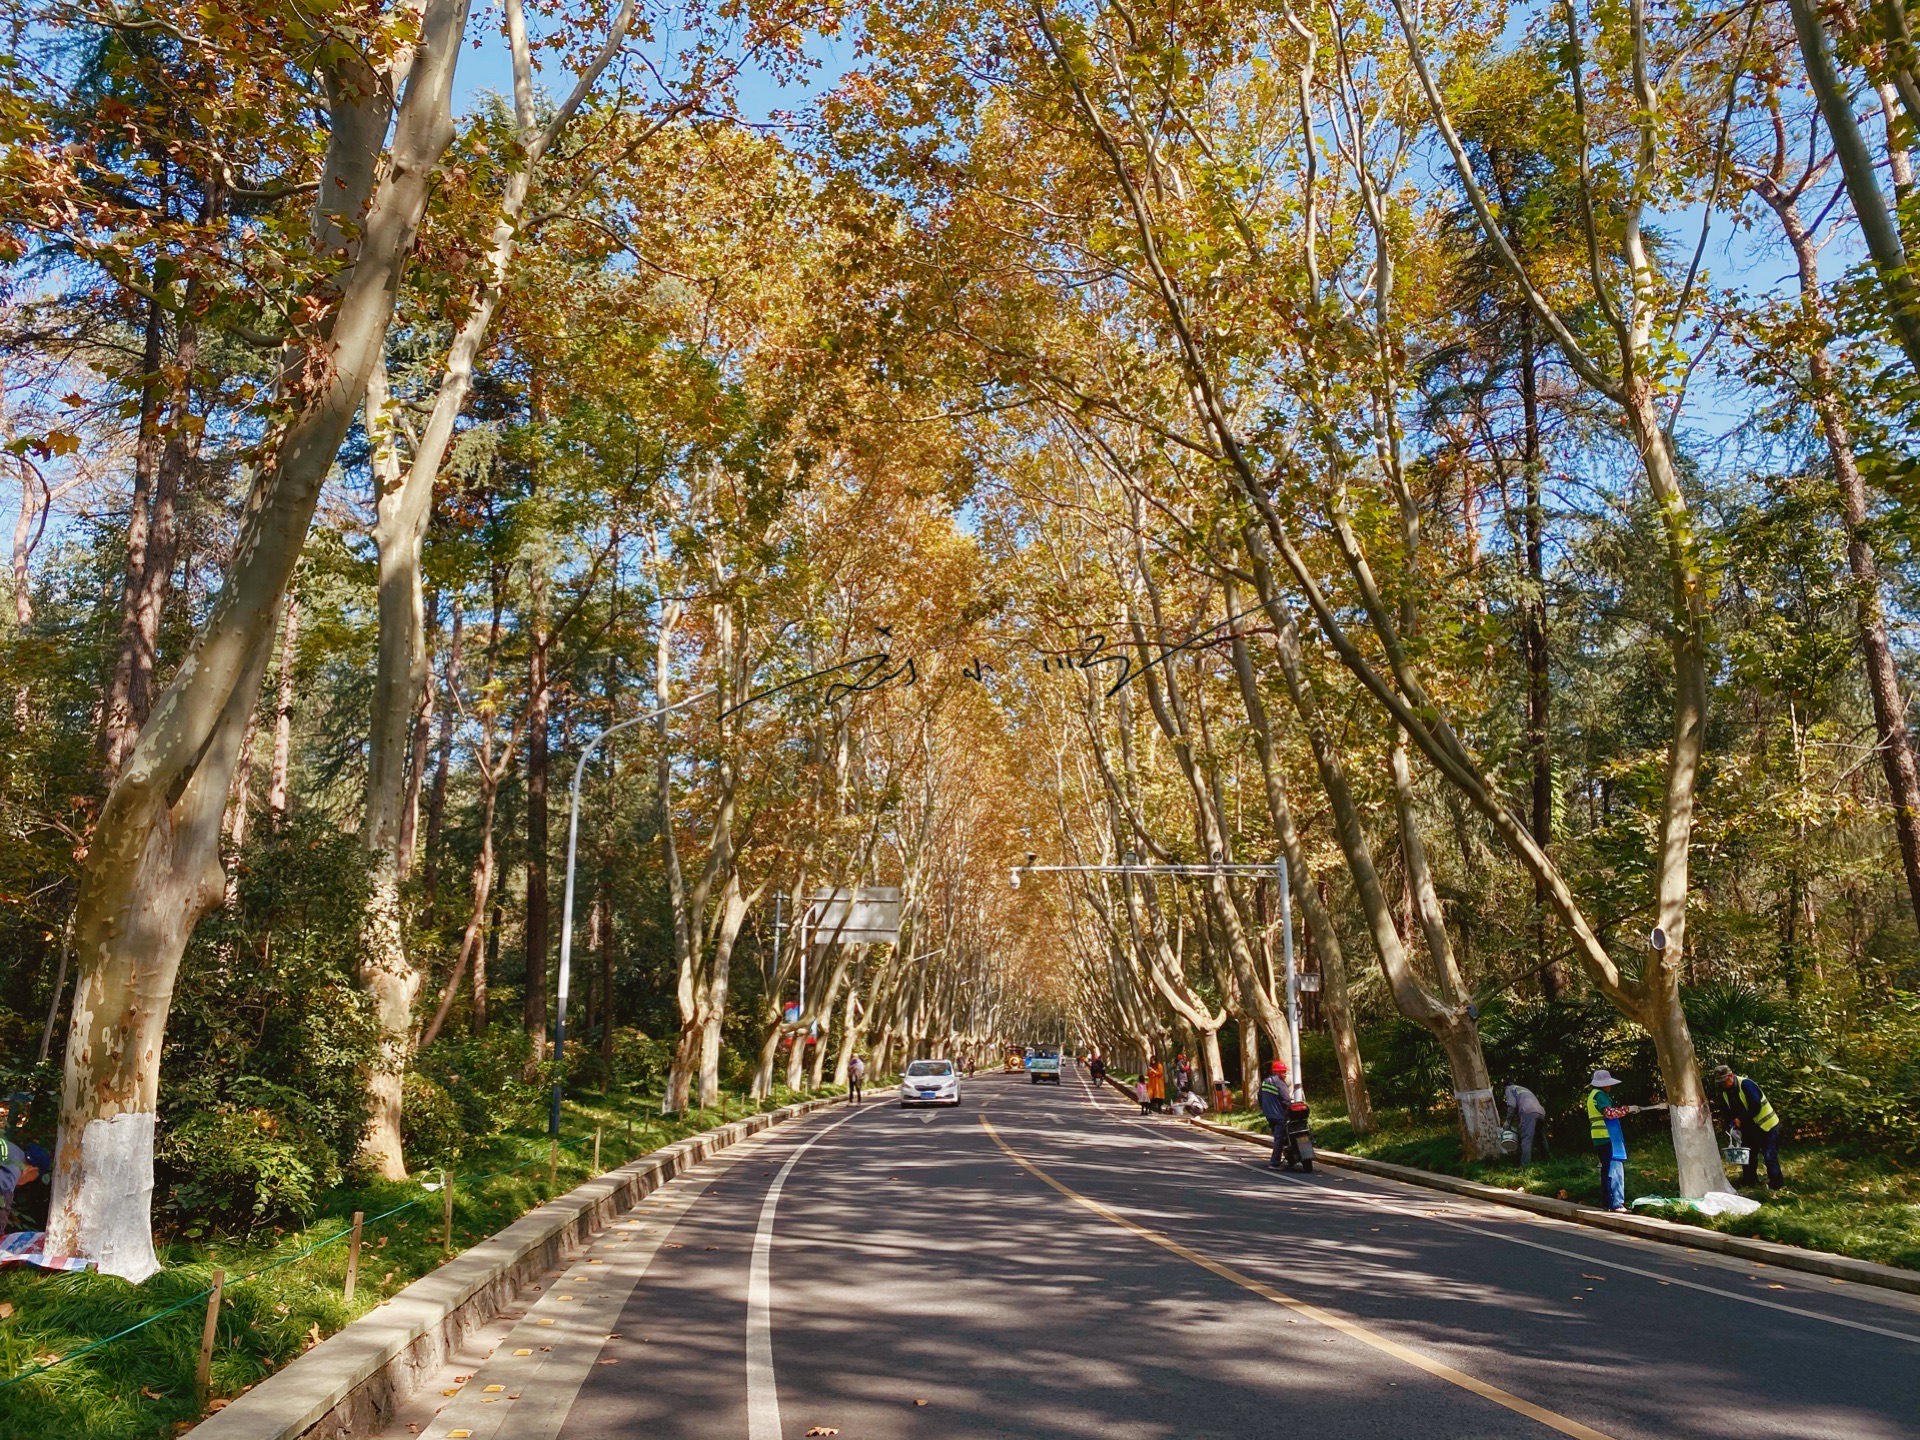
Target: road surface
(1044,1262)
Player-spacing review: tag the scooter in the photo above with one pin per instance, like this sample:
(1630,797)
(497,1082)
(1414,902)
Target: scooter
(1299,1140)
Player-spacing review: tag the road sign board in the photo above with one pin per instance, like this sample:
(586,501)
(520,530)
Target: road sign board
(866,915)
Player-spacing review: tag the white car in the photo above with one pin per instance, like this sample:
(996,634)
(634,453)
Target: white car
(930,1082)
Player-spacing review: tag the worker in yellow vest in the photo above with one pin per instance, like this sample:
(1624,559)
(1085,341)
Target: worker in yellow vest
(1609,1140)
(1749,1111)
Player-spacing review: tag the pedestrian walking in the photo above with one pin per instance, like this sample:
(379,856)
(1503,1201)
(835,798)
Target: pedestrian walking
(1157,1086)
(1275,1096)
(1525,1114)
(856,1073)
(1751,1114)
(1609,1140)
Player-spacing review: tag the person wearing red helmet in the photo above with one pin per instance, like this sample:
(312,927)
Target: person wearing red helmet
(1275,1095)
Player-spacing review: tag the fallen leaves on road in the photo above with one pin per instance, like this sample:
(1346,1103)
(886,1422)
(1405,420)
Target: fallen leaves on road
(823,1430)
(919,1402)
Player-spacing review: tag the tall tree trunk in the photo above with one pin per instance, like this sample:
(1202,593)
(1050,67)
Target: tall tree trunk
(387,972)
(240,793)
(609,1012)
(1451,1024)
(443,761)
(849,1034)
(129,690)
(153,868)
(279,792)
(1320,932)
(539,694)
(417,753)
(473,938)
(1553,973)
(1878,226)
(1870,618)
(733,913)
(1249,1063)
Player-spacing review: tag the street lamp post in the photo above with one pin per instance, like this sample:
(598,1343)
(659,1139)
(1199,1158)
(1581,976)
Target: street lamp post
(566,905)
(1130,866)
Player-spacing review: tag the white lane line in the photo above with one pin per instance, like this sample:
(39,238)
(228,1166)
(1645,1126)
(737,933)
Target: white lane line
(543,1362)
(763,1394)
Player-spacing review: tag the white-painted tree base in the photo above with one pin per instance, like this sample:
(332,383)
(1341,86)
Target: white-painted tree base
(115,1207)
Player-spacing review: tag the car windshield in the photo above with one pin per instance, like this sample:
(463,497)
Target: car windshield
(930,1067)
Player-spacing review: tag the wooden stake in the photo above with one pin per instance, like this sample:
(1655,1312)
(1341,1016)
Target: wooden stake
(553,1161)
(596,1149)
(629,1137)
(353,1254)
(446,1192)
(203,1372)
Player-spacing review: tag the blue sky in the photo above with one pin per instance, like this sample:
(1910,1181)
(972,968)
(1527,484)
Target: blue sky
(486,69)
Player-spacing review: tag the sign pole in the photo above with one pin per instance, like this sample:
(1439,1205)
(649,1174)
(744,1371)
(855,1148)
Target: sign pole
(1293,978)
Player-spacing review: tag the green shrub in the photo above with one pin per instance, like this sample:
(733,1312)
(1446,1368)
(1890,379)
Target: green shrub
(1852,1078)
(269,987)
(240,1169)
(637,1060)
(431,1127)
(490,1077)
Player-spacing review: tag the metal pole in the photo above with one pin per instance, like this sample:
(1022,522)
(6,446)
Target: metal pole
(778,897)
(566,904)
(1293,979)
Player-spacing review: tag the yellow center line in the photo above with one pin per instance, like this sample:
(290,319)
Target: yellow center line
(1437,1369)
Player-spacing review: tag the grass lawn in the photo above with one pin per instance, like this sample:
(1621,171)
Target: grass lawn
(142,1386)
(1836,1198)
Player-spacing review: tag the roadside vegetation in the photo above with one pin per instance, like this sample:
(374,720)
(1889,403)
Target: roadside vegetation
(141,1387)
(1850,1191)
(1470,456)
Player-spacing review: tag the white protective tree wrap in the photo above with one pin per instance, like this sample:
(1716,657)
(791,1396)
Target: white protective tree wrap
(1697,1152)
(116,1196)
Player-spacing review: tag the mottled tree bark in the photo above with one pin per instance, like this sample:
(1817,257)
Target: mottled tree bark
(154,866)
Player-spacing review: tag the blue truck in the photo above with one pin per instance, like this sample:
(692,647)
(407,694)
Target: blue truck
(1043,1066)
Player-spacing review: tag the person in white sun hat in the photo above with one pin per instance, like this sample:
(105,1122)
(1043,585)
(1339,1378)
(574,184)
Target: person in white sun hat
(1609,1140)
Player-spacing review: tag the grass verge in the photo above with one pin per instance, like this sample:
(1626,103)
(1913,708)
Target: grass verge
(278,1302)
(1837,1198)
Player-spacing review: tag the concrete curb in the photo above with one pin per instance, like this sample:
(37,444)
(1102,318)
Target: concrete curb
(349,1382)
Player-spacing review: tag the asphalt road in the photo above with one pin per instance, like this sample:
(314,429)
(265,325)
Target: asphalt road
(1043,1262)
